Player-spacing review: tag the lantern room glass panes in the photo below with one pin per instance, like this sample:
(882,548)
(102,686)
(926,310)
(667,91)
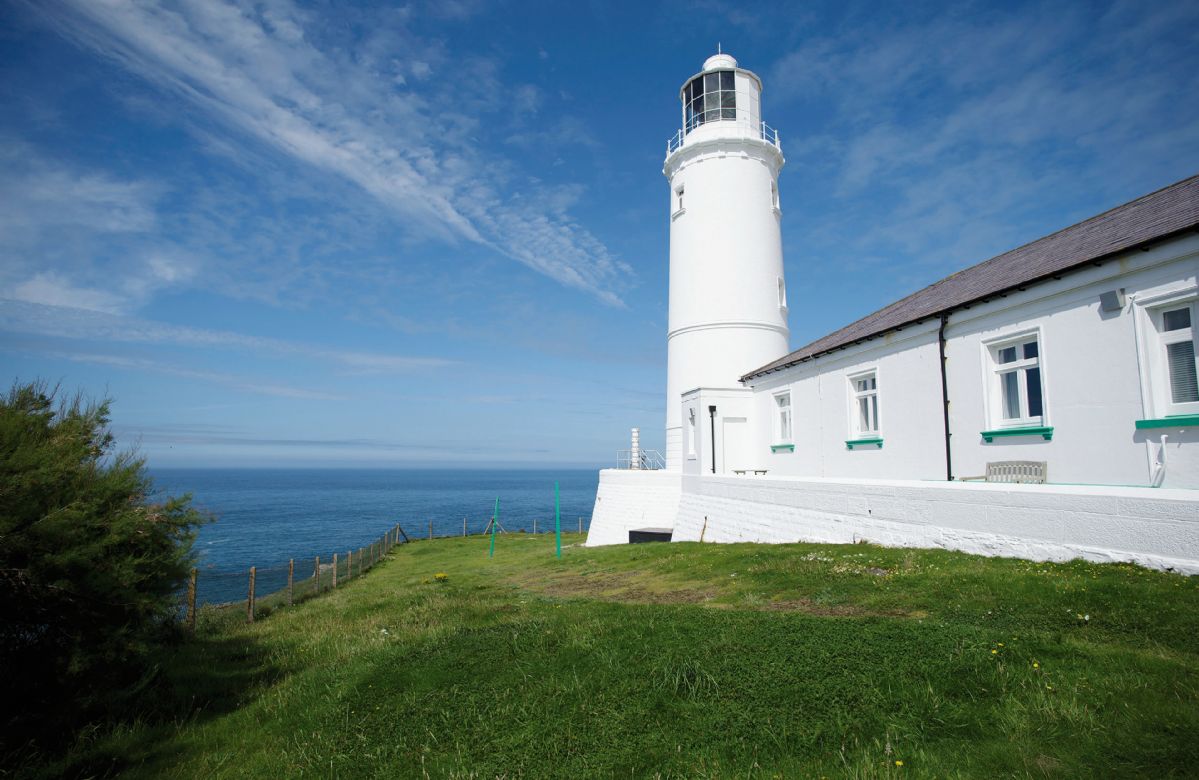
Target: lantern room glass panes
(710,97)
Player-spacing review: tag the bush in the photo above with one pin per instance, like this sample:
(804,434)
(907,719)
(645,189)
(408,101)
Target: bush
(90,569)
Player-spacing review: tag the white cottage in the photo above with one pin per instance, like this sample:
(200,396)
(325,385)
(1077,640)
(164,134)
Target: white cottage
(1042,403)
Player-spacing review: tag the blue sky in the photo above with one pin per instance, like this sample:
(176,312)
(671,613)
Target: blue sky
(435,233)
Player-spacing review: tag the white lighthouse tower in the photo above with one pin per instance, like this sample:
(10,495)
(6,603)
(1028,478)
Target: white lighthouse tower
(728,300)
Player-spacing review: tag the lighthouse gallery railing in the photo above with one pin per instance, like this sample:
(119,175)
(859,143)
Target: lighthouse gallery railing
(764,132)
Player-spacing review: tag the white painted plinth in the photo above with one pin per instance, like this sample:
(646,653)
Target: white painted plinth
(632,499)
(1154,528)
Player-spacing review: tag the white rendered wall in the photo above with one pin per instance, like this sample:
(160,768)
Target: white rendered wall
(1155,528)
(822,412)
(726,258)
(1096,385)
(632,499)
(1092,375)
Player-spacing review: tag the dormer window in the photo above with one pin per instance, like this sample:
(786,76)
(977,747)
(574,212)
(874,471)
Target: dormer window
(709,97)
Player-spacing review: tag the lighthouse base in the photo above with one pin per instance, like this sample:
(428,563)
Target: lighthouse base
(630,500)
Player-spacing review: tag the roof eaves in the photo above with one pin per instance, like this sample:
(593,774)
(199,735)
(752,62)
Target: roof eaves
(1058,273)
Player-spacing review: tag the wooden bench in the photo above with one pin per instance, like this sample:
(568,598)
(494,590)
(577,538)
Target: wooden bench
(1027,472)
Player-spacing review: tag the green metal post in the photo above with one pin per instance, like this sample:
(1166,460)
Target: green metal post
(557,520)
(495,516)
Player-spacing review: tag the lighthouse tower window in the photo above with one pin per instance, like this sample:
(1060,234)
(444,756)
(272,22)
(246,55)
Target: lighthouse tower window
(710,97)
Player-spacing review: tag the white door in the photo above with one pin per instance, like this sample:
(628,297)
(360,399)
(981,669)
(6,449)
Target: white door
(734,452)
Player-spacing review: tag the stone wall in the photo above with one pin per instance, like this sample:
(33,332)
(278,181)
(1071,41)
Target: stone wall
(632,499)
(1156,528)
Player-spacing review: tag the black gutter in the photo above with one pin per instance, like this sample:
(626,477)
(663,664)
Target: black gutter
(712,413)
(945,395)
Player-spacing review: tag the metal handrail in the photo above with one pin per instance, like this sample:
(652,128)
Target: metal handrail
(764,132)
(649,460)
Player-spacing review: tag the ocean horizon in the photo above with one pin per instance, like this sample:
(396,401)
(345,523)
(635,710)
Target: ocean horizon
(265,517)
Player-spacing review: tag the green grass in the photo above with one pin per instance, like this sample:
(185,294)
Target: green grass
(686,660)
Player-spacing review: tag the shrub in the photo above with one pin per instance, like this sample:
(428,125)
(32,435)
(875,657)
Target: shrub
(90,567)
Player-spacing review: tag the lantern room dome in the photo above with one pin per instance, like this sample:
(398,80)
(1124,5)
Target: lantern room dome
(717,61)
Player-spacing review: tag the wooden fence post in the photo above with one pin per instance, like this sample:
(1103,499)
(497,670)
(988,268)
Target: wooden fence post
(464,526)
(316,573)
(250,597)
(191,602)
(430,530)
(291,578)
(334,570)
(580,525)
(534,525)
(349,564)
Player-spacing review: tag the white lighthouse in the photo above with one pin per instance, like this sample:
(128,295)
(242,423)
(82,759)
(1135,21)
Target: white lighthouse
(728,299)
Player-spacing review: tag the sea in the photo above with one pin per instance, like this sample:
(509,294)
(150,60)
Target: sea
(268,517)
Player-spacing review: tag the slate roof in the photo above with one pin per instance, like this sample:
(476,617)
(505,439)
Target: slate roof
(1152,217)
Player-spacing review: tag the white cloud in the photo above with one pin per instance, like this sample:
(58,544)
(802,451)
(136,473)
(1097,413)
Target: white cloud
(955,135)
(265,71)
(51,289)
(247,384)
(92,324)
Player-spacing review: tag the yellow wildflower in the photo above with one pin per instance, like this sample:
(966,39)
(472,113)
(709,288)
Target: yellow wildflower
(898,763)
(993,652)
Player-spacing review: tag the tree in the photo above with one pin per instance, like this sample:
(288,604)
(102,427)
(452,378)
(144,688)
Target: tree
(90,565)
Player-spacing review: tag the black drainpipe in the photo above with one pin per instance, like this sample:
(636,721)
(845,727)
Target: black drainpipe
(945,396)
(712,413)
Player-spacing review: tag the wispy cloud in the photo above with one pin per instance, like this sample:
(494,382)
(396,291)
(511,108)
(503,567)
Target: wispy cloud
(234,381)
(270,72)
(96,326)
(954,135)
(73,236)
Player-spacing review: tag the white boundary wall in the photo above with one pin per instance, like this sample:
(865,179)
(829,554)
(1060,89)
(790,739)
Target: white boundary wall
(633,499)
(1158,528)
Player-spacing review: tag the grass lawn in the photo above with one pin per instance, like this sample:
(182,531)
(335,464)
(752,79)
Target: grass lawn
(687,660)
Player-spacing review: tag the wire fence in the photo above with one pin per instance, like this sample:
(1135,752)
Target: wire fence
(262,589)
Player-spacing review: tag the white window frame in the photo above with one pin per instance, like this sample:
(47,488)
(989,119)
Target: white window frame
(1155,380)
(783,433)
(691,432)
(677,201)
(856,431)
(1159,338)
(782,286)
(994,371)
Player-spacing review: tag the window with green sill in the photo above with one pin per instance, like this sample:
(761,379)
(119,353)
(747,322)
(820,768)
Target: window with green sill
(1015,390)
